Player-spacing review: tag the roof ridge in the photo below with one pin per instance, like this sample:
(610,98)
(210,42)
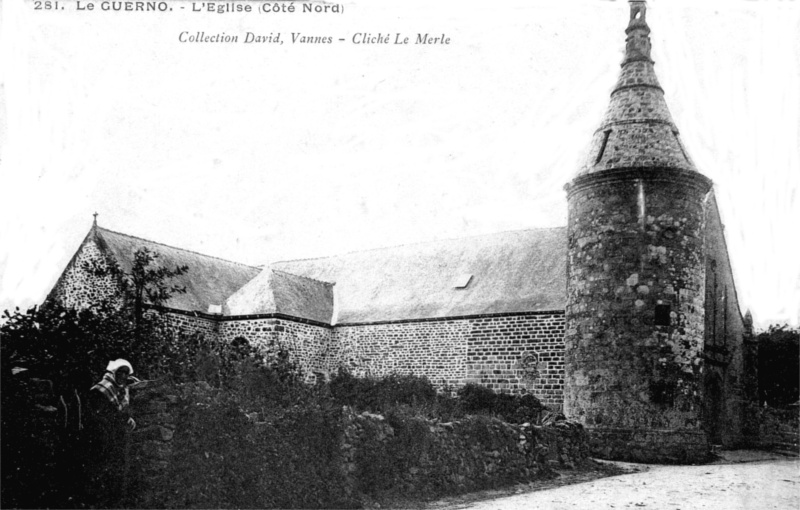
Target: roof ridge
(177,248)
(301,276)
(416,243)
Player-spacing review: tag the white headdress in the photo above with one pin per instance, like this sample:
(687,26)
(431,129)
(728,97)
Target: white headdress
(113,366)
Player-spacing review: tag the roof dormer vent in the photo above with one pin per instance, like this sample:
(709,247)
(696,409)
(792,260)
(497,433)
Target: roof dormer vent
(462,281)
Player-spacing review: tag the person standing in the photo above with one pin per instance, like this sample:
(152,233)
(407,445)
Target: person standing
(113,387)
(107,420)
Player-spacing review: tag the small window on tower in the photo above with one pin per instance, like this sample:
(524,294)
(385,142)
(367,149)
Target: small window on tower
(606,134)
(662,392)
(662,315)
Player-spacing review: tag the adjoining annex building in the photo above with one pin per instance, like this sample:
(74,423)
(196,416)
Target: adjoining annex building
(627,318)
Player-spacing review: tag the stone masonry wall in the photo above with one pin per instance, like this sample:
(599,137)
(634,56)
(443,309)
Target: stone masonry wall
(650,445)
(635,296)
(434,458)
(519,354)
(78,288)
(445,458)
(729,388)
(150,444)
(435,349)
(310,346)
(510,354)
(189,324)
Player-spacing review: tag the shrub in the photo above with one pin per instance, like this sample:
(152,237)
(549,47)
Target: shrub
(379,394)
(384,460)
(417,396)
(779,366)
(393,454)
(477,399)
(222,460)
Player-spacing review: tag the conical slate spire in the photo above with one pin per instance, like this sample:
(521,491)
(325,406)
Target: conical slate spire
(637,130)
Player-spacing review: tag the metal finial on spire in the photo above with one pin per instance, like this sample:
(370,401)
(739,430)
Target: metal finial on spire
(95,219)
(638,11)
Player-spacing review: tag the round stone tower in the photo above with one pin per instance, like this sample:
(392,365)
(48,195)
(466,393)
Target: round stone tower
(635,276)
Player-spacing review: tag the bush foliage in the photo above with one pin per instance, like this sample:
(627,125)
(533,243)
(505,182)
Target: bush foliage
(221,459)
(380,394)
(779,366)
(417,396)
(477,399)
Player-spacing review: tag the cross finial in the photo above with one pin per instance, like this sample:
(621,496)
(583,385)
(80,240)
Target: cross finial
(95,219)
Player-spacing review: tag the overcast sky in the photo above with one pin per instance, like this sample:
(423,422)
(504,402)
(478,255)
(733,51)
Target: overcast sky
(256,152)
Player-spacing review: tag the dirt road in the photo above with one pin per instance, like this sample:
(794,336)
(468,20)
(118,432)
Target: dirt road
(735,484)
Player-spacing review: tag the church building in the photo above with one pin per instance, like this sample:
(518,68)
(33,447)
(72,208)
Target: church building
(626,319)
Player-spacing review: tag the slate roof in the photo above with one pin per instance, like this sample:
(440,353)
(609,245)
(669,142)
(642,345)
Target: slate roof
(637,130)
(508,272)
(520,271)
(274,291)
(209,280)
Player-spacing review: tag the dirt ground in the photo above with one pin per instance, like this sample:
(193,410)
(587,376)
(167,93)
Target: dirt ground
(741,479)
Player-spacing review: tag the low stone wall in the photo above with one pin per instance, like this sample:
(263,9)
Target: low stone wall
(375,454)
(650,445)
(150,444)
(407,456)
(778,429)
(567,444)
(33,435)
(413,456)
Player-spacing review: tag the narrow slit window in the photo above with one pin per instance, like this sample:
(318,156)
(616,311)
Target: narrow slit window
(606,134)
(714,301)
(662,315)
(725,317)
